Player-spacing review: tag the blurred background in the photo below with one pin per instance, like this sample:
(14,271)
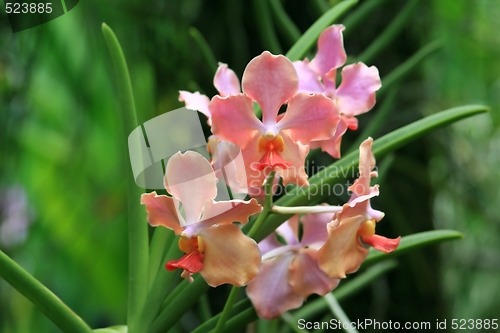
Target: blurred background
(64,168)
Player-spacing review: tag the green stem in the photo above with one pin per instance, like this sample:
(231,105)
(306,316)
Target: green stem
(268,204)
(208,55)
(233,294)
(137,227)
(358,16)
(51,305)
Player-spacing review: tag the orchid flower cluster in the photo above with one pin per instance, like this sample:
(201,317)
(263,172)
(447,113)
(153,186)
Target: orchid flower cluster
(302,108)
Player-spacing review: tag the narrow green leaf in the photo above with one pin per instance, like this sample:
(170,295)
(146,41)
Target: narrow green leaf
(285,24)
(389,33)
(321,183)
(137,228)
(45,300)
(405,68)
(206,51)
(308,39)
(266,27)
(357,16)
(414,241)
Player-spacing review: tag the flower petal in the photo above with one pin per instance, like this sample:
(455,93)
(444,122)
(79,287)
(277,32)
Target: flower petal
(161,211)
(332,145)
(190,179)
(382,243)
(309,80)
(191,262)
(225,81)
(342,253)
(331,53)
(356,93)
(307,278)
(295,153)
(314,229)
(271,81)
(233,119)
(309,118)
(229,256)
(224,212)
(195,101)
(270,292)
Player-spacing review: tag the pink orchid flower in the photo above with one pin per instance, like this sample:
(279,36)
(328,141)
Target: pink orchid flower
(277,143)
(214,246)
(352,231)
(354,96)
(225,81)
(289,272)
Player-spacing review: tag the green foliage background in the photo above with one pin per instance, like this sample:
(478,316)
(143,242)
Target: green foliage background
(62,149)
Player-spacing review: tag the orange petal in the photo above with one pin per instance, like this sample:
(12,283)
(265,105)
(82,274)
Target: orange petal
(381,243)
(191,262)
(342,253)
(224,212)
(161,211)
(229,256)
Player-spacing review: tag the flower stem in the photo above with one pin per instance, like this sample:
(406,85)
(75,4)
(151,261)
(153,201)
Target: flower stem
(137,227)
(227,309)
(51,305)
(305,209)
(268,203)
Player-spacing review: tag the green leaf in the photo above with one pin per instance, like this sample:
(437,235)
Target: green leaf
(308,39)
(414,241)
(137,229)
(113,329)
(321,182)
(46,301)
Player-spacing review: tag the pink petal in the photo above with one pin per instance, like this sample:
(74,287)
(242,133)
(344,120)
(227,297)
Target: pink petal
(382,243)
(229,256)
(190,179)
(309,81)
(307,278)
(331,53)
(161,211)
(269,243)
(309,118)
(356,93)
(270,292)
(233,119)
(289,231)
(271,81)
(342,253)
(314,228)
(332,145)
(195,101)
(225,81)
(366,164)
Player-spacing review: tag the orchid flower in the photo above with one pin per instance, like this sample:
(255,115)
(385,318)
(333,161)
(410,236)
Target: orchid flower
(290,272)
(352,231)
(354,96)
(214,246)
(278,142)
